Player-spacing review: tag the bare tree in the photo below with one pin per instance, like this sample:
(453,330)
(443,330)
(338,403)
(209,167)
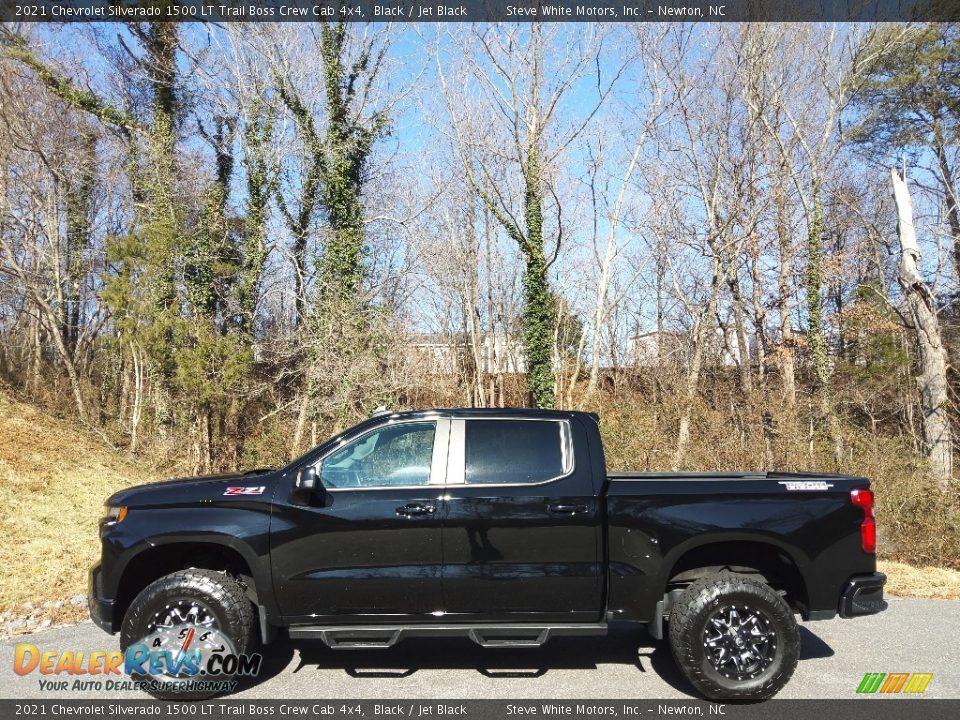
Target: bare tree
(43,254)
(702,191)
(511,123)
(932,381)
(650,86)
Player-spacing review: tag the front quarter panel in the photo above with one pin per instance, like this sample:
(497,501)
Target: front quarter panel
(192,512)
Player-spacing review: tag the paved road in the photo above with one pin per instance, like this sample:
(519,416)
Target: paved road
(912,636)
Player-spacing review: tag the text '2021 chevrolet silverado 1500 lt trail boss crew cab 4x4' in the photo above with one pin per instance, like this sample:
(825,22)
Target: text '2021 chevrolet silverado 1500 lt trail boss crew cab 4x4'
(503,526)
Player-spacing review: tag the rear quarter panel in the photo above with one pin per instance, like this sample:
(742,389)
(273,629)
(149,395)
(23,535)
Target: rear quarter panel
(655,520)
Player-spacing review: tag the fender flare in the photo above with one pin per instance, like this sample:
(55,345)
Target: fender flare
(259,564)
(797,557)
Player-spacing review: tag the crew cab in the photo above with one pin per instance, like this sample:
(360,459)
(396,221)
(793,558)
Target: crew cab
(502,526)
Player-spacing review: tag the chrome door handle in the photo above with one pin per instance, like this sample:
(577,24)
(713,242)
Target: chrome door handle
(560,509)
(412,509)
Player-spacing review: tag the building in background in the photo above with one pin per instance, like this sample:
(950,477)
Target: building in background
(660,348)
(445,354)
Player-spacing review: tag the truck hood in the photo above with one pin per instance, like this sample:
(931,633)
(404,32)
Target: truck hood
(255,485)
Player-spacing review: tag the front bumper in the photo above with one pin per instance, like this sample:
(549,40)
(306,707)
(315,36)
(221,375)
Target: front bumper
(101,608)
(863,595)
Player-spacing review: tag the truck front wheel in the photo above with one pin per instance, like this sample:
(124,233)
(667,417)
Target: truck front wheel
(181,629)
(734,638)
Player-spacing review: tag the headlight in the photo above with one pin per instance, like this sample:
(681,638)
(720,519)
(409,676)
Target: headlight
(114,514)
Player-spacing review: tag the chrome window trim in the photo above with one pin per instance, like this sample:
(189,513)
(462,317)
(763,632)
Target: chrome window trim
(438,461)
(457,467)
(441,446)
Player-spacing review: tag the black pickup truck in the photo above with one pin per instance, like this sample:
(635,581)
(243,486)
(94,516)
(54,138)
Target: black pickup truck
(503,526)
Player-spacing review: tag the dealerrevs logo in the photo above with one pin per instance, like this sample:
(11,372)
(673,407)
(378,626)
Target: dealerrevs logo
(181,658)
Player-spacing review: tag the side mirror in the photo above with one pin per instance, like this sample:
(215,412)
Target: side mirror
(306,484)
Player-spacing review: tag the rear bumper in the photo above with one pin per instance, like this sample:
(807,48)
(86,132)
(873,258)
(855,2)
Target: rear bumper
(101,608)
(863,595)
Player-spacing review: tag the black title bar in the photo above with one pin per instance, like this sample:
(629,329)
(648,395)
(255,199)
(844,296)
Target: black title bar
(478,10)
(411,709)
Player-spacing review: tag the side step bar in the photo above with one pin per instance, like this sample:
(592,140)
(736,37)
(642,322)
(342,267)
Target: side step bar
(363,637)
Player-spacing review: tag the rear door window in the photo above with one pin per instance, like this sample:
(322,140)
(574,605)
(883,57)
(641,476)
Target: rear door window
(516,452)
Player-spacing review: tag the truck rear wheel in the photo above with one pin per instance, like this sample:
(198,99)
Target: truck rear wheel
(734,638)
(161,617)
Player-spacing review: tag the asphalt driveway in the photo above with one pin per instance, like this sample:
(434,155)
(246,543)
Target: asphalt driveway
(911,636)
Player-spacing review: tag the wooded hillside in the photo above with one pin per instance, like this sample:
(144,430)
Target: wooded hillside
(220,243)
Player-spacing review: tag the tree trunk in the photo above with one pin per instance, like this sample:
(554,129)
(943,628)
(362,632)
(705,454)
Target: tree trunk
(471,306)
(784,288)
(816,337)
(606,270)
(760,323)
(348,142)
(257,133)
(79,202)
(702,334)
(538,311)
(137,409)
(932,382)
(54,330)
(950,194)
(743,344)
(302,417)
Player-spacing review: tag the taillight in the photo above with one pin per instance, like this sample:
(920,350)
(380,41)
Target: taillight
(868,528)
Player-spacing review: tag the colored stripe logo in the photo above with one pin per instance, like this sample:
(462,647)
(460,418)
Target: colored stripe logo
(894,683)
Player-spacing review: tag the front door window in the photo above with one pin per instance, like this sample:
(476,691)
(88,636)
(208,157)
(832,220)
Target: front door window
(397,455)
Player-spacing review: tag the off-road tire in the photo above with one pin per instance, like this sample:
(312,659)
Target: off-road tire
(688,619)
(218,591)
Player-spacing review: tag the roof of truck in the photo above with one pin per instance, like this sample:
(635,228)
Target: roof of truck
(488,412)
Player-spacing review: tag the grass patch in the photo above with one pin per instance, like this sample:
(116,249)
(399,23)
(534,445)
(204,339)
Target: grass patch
(53,482)
(925,582)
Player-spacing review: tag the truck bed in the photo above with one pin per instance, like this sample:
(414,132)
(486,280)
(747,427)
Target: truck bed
(660,522)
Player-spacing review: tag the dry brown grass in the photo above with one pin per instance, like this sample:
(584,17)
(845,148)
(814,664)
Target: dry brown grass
(53,482)
(926,582)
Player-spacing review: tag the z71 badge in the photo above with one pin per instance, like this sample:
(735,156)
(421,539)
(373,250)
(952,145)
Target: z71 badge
(250,490)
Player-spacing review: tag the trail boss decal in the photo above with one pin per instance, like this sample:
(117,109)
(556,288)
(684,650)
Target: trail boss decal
(248,490)
(807,485)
